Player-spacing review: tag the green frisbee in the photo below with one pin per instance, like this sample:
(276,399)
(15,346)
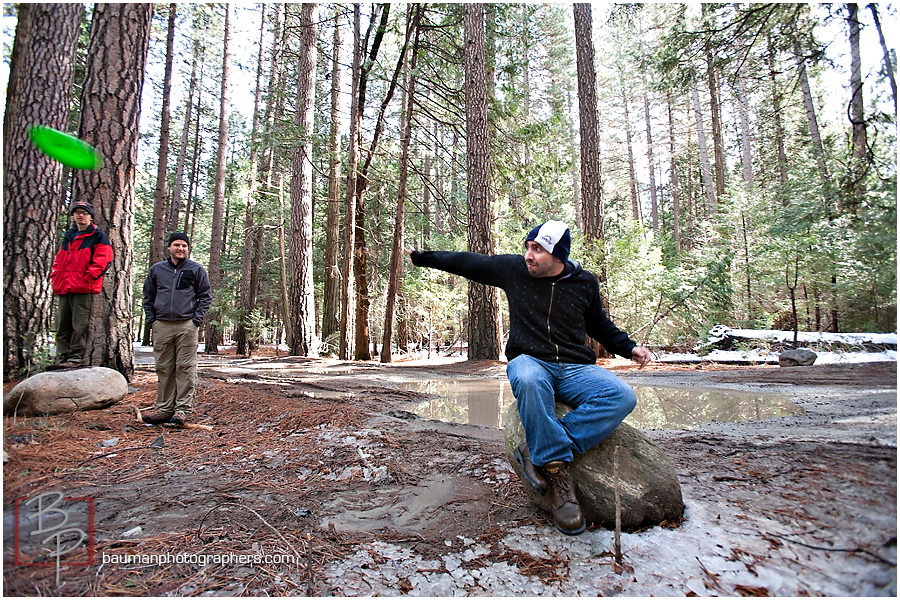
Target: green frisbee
(65,148)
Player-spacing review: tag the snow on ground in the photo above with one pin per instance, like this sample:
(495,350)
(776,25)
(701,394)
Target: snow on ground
(762,357)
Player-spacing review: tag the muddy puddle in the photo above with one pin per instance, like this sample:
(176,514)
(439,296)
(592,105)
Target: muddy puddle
(485,402)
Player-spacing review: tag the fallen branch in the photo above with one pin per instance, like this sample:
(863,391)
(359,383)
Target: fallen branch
(857,549)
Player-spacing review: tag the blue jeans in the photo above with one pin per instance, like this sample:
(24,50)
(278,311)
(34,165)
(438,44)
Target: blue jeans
(600,401)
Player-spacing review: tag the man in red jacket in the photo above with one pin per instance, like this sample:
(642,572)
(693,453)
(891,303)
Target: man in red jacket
(76,277)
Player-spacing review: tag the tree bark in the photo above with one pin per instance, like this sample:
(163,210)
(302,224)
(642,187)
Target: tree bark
(303,340)
(350,196)
(157,242)
(781,156)
(396,271)
(705,168)
(331,293)
(654,204)
(362,350)
(632,177)
(110,113)
(213,336)
(888,64)
(715,106)
(746,146)
(857,109)
(813,123)
(242,331)
(175,204)
(673,173)
(484,301)
(39,90)
(158,232)
(591,195)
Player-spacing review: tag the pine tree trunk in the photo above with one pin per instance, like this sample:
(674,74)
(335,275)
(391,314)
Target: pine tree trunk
(275,97)
(303,340)
(705,168)
(175,204)
(860,159)
(110,111)
(157,241)
(39,90)
(591,191)
(217,244)
(158,231)
(716,118)
(284,276)
(632,177)
(654,204)
(673,173)
(426,188)
(746,146)
(818,148)
(576,164)
(396,271)
(360,252)
(888,64)
(350,195)
(781,156)
(241,333)
(484,301)
(331,295)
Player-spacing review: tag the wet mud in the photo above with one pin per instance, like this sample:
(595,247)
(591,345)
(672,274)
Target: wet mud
(323,464)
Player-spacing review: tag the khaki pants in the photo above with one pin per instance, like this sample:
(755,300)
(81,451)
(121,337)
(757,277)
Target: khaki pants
(175,353)
(72,326)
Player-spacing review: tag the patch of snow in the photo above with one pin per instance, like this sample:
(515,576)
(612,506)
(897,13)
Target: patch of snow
(761,357)
(719,332)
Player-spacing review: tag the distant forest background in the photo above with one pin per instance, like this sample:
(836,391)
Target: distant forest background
(695,151)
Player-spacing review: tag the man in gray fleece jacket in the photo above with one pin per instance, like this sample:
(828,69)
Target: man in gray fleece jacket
(176,298)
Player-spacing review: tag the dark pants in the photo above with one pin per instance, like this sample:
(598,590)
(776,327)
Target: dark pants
(72,326)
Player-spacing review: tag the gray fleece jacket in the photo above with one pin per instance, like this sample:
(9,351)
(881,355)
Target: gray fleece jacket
(177,292)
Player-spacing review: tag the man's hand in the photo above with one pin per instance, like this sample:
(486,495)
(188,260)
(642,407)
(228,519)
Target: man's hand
(641,356)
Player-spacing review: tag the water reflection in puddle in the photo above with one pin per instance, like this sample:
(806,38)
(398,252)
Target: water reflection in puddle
(485,402)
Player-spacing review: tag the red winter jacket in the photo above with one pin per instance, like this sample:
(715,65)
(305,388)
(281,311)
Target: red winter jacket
(81,262)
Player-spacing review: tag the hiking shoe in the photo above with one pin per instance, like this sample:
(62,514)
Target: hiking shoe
(567,515)
(155,418)
(70,364)
(532,474)
(179,418)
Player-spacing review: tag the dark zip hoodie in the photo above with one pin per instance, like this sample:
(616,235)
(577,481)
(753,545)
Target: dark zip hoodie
(177,292)
(549,317)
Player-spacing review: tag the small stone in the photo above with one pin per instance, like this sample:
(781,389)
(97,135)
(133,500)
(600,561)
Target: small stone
(109,443)
(134,531)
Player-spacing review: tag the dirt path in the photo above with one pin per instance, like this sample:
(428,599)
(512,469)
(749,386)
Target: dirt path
(318,462)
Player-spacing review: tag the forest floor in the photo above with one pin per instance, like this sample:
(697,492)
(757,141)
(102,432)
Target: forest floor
(321,461)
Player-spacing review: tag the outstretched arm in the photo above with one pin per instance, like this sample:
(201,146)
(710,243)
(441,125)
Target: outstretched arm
(480,268)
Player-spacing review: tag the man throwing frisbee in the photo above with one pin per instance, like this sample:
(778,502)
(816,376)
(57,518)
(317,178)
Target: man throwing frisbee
(553,305)
(76,277)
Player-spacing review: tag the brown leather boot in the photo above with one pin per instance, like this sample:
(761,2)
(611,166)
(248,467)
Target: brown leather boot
(567,515)
(155,418)
(532,474)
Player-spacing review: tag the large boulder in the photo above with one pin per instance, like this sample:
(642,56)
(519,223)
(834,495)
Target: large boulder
(56,392)
(798,357)
(649,491)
